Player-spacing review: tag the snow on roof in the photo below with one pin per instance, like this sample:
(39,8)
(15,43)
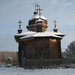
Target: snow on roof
(31,34)
(40,34)
(39,20)
(55,33)
(25,33)
(37,16)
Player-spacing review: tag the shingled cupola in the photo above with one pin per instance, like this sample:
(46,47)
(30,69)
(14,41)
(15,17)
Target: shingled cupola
(37,23)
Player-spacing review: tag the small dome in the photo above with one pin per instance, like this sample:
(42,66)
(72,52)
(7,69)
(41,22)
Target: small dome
(36,17)
(35,12)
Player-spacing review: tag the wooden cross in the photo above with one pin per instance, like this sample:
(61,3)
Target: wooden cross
(55,23)
(39,10)
(20,24)
(36,6)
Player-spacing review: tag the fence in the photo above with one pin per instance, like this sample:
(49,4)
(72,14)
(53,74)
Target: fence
(51,63)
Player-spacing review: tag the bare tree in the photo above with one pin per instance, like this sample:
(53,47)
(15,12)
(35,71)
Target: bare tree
(9,60)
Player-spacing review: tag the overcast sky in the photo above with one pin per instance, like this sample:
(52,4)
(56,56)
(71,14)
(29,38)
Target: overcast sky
(11,11)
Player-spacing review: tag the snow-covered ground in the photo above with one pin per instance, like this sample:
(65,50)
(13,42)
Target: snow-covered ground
(21,71)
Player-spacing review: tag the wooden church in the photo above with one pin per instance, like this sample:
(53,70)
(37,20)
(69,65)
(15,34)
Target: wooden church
(37,43)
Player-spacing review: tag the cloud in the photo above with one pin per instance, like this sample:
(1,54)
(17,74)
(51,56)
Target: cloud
(11,11)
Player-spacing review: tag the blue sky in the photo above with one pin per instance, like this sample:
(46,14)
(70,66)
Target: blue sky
(11,11)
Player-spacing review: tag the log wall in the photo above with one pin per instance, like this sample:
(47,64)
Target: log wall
(39,48)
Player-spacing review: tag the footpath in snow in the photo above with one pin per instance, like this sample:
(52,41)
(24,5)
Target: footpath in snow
(21,71)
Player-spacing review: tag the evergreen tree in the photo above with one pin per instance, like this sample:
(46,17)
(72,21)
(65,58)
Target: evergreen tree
(70,51)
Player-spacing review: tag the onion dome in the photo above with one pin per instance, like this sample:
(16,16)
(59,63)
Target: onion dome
(19,31)
(35,17)
(55,30)
(35,12)
(37,23)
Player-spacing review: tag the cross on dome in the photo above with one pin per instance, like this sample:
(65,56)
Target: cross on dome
(19,24)
(37,8)
(55,23)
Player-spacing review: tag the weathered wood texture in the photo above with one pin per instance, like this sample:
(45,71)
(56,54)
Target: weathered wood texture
(55,48)
(39,48)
